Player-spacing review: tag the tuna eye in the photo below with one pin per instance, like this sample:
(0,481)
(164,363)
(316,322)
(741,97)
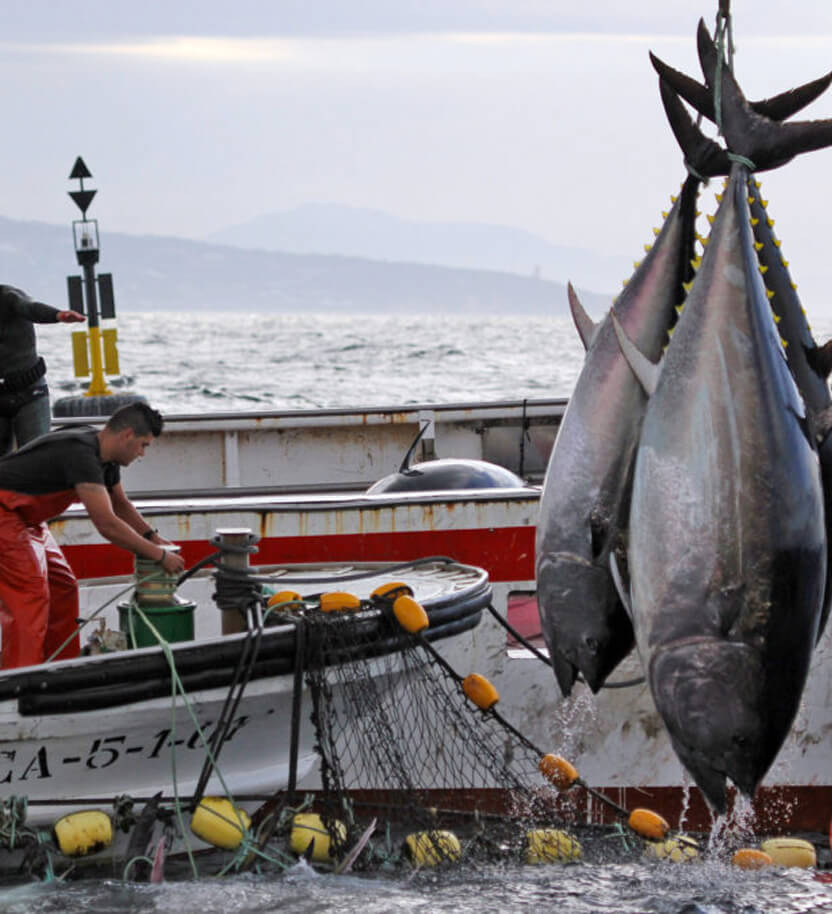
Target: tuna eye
(591,643)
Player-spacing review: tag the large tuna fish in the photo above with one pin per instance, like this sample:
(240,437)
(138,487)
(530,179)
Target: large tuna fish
(801,355)
(752,127)
(586,488)
(585,501)
(726,551)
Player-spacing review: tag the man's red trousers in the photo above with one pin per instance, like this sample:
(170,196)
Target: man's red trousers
(38,595)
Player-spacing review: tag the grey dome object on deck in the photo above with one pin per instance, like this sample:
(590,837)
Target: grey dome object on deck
(448,473)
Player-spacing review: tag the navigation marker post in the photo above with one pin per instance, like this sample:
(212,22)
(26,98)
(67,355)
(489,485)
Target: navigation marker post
(94,351)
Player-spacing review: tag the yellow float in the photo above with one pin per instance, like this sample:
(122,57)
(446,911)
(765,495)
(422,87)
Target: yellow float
(83,832)
(284,596)
(749,858)
(676,850)
(339,601)
(410,614)
(790,852)
(430,848)
(551,845)
(218,822)
(480,691)
(308,827)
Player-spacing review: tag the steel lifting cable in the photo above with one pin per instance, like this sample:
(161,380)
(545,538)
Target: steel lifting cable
(724,40)
(539,655)
(241,678)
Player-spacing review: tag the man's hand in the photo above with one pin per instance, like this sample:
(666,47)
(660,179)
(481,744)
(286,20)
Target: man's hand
(70,317)
(172,562)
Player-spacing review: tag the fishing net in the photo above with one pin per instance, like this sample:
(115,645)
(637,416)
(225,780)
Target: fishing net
(401,743)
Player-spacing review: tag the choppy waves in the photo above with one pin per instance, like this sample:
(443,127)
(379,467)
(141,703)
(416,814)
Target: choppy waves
(196,363)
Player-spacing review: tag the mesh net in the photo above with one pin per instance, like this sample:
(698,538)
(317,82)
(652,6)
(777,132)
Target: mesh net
(401,743)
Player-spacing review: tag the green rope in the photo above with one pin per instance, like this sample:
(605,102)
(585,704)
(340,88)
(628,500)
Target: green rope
(132,862)
(742,160)
(49,874)
(177,685)
(13,831)
(692,171)
(100,609)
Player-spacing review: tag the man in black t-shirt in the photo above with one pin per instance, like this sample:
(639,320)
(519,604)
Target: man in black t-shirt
(38,590)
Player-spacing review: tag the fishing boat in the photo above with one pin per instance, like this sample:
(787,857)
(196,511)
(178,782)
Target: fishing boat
(191,697)
(298,479)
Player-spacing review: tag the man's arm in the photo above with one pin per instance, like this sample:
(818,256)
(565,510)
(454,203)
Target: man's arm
(127,511)
(16,301)
(96,499)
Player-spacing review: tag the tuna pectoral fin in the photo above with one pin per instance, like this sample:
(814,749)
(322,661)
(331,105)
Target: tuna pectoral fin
(820,425)
(584,324)
(646,371)
(566,672)
(620,586)
(820,359)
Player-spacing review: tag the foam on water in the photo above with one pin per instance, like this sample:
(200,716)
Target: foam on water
(658,888)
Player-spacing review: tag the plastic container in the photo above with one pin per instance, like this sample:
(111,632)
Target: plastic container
(174,622)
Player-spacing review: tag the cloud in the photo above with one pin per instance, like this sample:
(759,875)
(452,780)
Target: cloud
(91,20)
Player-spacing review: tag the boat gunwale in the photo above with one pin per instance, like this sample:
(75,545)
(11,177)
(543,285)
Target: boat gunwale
(43,688)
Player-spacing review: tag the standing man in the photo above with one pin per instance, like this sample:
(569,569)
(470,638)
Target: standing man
(24,396)
(38,591)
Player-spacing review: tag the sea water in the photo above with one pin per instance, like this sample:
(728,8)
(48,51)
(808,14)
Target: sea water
(196,363)
(208,362)
(654,888)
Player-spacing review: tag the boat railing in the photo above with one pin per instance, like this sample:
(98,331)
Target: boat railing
(337,450)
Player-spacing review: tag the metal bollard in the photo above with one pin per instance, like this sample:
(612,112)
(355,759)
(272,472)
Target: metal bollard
(235,544)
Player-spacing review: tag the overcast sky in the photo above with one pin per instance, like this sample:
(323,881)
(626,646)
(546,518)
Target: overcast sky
(540,115)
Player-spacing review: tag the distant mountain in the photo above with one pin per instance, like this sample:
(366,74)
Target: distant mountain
(354,232)
(158,273)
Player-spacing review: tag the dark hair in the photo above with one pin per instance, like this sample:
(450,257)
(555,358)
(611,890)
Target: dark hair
(138,416)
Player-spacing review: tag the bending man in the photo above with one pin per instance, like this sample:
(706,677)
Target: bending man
(38,591)
(24,396)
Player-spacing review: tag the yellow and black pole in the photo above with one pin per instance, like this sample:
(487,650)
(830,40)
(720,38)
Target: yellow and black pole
(94,352)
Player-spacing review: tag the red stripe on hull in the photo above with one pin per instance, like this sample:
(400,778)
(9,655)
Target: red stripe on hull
(507,553)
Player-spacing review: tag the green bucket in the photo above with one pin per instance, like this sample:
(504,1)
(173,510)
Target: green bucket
(174,623)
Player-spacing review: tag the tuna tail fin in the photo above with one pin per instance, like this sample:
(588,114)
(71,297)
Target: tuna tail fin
(584,324)
(646,371)
(701,97)
(703,155)
(782,106)
(764,142)
(696,94)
